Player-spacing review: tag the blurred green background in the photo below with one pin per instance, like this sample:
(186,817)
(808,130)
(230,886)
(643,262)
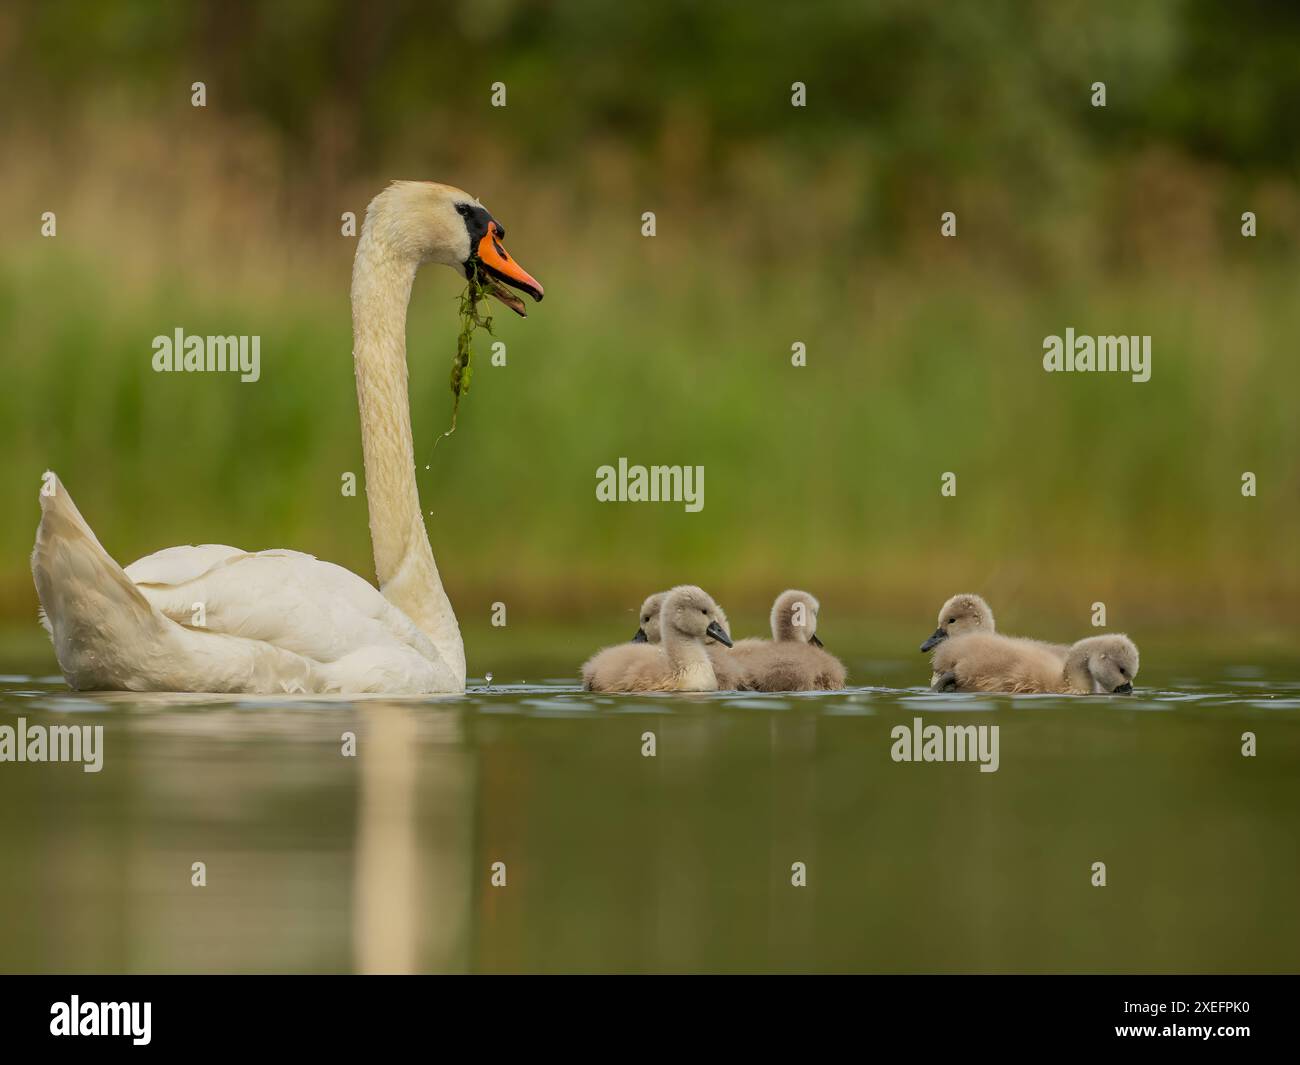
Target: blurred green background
(776,225)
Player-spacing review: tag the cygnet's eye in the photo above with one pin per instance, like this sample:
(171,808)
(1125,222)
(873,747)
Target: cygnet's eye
(952,621)
(1123,671)
(646,618)
(704,612)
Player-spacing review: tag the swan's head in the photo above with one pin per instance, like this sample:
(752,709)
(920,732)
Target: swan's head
(1111,662)
(648,620)
(690,612)
(794,617)
(960,614)
(427,222)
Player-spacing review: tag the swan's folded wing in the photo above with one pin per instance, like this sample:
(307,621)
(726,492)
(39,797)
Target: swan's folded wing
(291,600)
(176,565)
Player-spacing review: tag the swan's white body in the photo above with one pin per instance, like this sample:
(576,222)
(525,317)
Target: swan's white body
(218,619)
(271,621)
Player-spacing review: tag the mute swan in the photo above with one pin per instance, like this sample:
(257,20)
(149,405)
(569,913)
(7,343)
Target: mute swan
(1097,665)
(648,621)
(967,614)
(724,666)
(218,619)
(679,662)
(970,613)
(794,659)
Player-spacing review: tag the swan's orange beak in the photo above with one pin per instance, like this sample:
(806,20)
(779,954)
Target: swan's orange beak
(499,267)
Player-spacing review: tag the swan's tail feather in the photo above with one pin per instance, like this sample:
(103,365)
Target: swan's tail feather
(107,635)
(88,604)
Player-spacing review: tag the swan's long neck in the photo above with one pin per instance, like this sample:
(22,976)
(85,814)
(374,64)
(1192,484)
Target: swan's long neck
(404,566)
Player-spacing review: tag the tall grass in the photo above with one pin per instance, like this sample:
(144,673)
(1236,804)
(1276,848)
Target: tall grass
(672,349)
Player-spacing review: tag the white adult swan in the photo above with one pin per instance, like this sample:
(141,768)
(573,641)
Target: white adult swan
(218,619)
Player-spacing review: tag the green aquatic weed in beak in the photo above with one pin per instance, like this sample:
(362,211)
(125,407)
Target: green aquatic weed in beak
(477,290)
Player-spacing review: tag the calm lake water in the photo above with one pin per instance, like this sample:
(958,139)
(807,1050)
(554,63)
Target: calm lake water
(615,861)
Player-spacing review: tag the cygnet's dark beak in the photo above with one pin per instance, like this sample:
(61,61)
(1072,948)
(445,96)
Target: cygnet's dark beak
(640,637)
(718,633)
(1124,689)
(936,638)
(814,641)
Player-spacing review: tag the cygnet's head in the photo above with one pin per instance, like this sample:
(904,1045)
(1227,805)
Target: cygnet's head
(1111,661)
(794,617)
(648,620)
(691,613)
(961,614)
